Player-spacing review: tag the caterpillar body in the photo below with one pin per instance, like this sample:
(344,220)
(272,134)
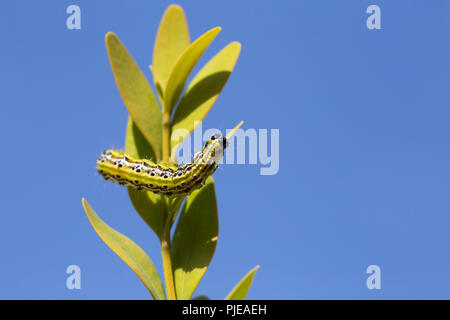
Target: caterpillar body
(144,174)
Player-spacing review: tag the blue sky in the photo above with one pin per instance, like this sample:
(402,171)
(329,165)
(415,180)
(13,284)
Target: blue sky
(364,148)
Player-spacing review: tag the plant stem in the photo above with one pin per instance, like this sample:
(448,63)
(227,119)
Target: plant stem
(166,137)
(165,239)
(165,252)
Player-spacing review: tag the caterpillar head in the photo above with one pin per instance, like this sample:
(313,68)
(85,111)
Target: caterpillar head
(220,140)
(213,150)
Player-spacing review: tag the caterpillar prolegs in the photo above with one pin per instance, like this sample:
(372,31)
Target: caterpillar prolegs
(144,174)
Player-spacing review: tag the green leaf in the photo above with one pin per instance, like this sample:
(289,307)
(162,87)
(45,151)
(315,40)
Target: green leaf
(194,240)
(146,203)
(203,91)
(175,205)
(183,67)
(135,143)
(240,291)
(171,40)
(136,92)
(129,252)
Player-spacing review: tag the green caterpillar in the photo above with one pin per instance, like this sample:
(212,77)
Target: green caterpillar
(143,174)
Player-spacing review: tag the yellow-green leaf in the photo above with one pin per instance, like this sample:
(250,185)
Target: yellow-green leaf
(146,203)
(240,291)
(203,91)
(129,251)
(135,143)
(183,67)
(136,92)
(171,40)
(194,240)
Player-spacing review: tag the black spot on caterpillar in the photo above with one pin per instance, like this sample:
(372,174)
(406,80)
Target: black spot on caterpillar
(142,174)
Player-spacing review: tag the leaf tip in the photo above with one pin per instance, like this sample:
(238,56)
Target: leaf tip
(238,45)
(109,35)
(230,134)
(86,207)
(174,6)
